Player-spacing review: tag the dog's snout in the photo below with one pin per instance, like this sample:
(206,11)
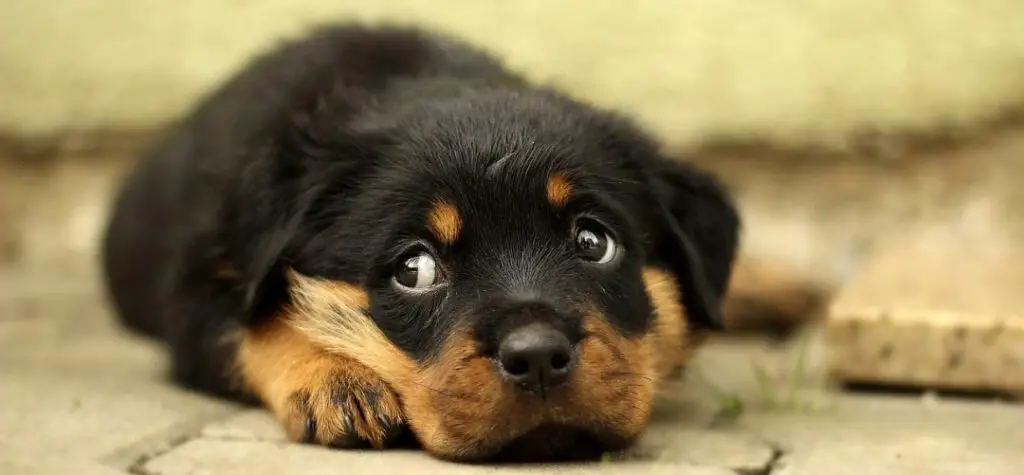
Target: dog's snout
(536,358)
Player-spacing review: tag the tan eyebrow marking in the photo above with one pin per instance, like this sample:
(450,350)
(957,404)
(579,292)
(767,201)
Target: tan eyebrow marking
(444,221)
(559,189)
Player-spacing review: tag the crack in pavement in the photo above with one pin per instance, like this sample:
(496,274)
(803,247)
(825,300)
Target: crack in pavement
(770,466)
(134,457)
(777,455)
(138,466)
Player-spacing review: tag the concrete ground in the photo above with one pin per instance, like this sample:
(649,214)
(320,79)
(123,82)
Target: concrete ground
(78,395)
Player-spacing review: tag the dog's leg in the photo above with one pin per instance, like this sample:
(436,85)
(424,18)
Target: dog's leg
(318,397)
(768,298)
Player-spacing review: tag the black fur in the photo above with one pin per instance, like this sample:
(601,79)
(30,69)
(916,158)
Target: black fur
(326,154)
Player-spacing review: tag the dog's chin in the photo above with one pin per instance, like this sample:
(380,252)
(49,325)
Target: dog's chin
(557,443)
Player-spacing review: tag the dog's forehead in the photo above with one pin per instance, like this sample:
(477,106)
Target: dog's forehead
(504,173)
(508,193)
(499,165)
(505,187)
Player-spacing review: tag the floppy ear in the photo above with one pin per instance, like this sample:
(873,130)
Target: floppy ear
(696,228)
(265,286)
(280,205)
(693,224)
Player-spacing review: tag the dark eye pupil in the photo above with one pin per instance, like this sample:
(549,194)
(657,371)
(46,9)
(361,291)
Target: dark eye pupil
(588,241)
(408,271)
(591,245)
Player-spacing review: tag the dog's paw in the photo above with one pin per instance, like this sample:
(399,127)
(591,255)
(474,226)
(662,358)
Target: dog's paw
(351,408)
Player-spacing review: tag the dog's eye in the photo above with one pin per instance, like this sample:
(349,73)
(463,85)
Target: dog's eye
(418,271)
(594,244)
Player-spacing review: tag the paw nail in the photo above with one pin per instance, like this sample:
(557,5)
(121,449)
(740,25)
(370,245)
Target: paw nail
(393,431)
(310,433)
(371,398)
(349,440)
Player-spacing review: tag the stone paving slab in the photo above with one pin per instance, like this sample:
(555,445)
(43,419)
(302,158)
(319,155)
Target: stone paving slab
(73,386)
(90,418)
(667,442)
(50,465)
(930,315)
(897,435)
(878,435)
(229,457)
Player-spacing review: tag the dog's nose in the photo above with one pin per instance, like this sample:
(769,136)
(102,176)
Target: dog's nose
(535,357)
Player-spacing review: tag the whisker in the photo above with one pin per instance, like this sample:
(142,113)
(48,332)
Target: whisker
(626,374)
(457,396)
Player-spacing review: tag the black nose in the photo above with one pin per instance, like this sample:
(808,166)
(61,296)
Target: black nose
(535,357)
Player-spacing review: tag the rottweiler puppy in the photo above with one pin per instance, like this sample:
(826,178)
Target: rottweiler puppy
(375,229)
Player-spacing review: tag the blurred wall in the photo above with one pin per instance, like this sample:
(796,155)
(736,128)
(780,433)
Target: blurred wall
(791,72)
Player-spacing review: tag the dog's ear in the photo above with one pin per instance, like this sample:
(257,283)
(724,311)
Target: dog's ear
(266,229)
(696,230)
(281,209)
(264,284)
(692,222)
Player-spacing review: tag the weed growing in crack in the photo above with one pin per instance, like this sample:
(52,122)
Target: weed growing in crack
(774,391)
(784,396)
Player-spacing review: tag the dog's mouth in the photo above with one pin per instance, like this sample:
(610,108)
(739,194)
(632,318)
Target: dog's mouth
(557,443)
(530,434)
(461,408)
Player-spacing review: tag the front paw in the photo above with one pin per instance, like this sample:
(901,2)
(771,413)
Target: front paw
(351,408)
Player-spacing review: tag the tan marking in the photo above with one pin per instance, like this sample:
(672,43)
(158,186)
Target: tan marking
(297,378)
(559,189)
(669,334)
(445,222)
(771,298)
(334,316)
(226,271)
(616,386)
(462,410)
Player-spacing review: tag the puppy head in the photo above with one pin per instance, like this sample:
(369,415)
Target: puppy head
(522,269)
